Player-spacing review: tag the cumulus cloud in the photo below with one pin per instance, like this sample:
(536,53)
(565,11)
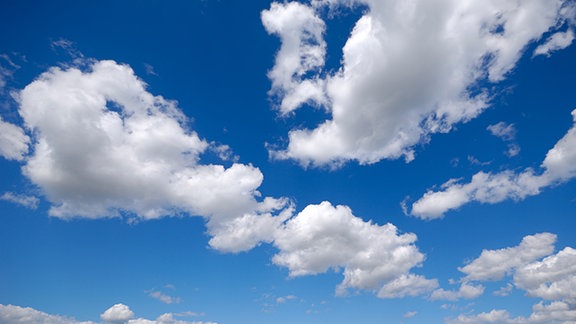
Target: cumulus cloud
(554,313)
(23,200)
(13,141)
(387,95)
(559,166)
(105,147)
(118,313)
(10,314)
(536,270)
(495,264)
(372,257)
(553,278)
(302,51)
(466,291)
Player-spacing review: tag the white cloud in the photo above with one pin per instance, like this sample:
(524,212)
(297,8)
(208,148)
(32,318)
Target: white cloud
(559,166)
(407,285)
(13,141)
(553,278)
(302,51)
(10,314)
(323,237)
(506,132)
(104,146)
(556,42)
(166,299)
(466,291)
(494,316)
(554,313)
(387,97)
(504,291)
(282,300)
(118,313)
(23,200)
(410,314)
(495,264)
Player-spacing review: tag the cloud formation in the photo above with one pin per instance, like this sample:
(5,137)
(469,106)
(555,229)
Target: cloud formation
(536,270)
(105,147)
(559,166)
(387,96)
(373,257)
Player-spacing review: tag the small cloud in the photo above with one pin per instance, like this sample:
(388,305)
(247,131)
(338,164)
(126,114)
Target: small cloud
(506,132)
(150,69)
(166,299)
(68,47)
(410,314)
(475,161)
(23,200)
(504,291)
(282,300)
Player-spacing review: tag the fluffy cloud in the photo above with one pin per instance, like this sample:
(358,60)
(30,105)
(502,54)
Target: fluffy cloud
(559,166)
(535,270)
(553,278)
(553,313)
(466,291)
(495,264)
(323,237)
(10,314)
(119,313)
(387,97)
(13,141)
(303,50)
(494,316)
(104,146)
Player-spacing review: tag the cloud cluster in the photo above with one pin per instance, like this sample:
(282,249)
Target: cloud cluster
(409,69)
(372,257)
(104,147)
(558,166)
(118,313)
(535,269)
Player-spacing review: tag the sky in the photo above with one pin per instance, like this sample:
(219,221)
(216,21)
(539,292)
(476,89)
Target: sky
(320,161)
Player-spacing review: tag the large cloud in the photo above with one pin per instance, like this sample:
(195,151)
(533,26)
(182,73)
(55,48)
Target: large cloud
(559,166)
(409,69)
(323,237)
(104,146)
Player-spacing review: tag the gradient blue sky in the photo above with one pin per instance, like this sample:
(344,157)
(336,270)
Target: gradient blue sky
(472,87)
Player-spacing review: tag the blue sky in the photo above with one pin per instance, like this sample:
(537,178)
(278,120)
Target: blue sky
(326,161)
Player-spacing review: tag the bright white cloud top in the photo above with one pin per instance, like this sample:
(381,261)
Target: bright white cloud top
(405,74)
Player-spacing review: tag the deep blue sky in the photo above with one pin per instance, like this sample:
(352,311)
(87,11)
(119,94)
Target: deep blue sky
(212,57)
